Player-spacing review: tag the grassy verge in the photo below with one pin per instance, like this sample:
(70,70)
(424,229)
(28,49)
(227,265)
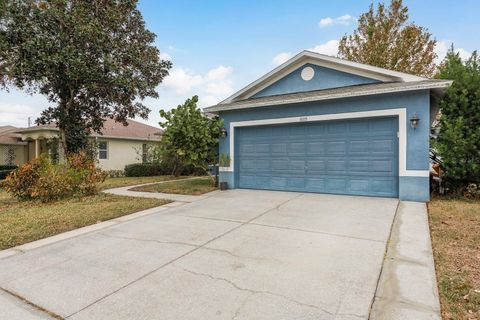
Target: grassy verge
(455,230)
(22,222)
(130,181)
(188,187)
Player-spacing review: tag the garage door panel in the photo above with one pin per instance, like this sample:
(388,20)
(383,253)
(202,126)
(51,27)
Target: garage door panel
(337,148)
(383,145)
(383,166)
(359,185)
(279,149)
(344,157)
(359,146)
(336,185)
(315,184)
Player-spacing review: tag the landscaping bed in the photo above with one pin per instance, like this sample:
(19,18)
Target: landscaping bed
(455,231)
(22,222)
(187,187)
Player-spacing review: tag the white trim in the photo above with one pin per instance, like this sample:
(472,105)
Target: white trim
(401,113)
(321,60)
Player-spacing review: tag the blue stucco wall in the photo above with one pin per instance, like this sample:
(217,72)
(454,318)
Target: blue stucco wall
(324,78)
(410,188)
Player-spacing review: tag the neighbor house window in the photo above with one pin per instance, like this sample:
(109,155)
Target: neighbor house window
(144,153)
(103,150)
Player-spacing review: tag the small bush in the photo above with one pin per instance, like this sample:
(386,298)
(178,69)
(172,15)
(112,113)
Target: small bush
(41,179)
(472,191)
(158,169)
(114,173)
(145,170)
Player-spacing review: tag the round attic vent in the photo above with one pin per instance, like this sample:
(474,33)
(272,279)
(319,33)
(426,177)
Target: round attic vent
(307,73)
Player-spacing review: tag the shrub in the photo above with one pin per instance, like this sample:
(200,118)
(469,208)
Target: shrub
(158,169)
(458,141)
(145,170)
(41,179)
(114,173)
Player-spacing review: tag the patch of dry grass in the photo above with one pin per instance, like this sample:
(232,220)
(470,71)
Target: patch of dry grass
(187,187)
(22,222)
(455,230)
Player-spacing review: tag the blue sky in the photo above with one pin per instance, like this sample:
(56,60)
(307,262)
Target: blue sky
(217,47)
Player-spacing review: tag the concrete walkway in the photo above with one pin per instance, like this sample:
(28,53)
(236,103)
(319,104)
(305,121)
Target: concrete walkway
(125,191)
(239,254)
(408,286)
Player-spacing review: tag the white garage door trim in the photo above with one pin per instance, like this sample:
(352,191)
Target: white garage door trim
(402,133)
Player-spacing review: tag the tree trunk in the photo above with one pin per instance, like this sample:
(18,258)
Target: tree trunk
(62,146)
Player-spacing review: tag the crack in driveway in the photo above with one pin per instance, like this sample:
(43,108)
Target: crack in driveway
(253,292)
(181,256)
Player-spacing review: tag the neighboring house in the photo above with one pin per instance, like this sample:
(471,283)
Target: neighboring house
(322,124)
(118,145)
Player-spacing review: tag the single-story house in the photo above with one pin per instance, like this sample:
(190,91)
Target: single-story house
(118,145)
(322,124)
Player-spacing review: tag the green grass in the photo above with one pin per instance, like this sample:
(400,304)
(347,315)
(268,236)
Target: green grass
(130,181)
(455,230)
(187,187)
(22,222)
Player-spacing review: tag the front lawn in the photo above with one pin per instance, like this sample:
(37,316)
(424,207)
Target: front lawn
(22,222)
(189,187)
(455,230)
(131,181)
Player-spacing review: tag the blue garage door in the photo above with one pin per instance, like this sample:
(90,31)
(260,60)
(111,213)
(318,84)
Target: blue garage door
(356,157)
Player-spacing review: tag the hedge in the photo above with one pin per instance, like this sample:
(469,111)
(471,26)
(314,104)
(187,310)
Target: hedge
(156,169)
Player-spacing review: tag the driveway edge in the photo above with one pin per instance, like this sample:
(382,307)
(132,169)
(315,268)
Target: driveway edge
(407,287)
(83,230)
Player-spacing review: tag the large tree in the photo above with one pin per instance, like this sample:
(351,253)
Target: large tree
(91,59)
(458,142)
(190,138)
(384,38)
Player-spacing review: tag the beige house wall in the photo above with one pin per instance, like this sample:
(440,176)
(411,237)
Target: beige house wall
(20,152)
(122,152)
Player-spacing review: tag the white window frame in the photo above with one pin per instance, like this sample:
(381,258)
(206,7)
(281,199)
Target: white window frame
(401,113)
(106,150)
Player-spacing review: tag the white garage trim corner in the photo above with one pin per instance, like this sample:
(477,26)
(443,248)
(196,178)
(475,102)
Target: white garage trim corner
(401,113)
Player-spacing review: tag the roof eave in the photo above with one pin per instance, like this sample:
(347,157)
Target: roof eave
(440,85)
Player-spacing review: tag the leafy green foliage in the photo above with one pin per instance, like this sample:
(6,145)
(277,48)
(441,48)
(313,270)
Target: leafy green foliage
(458,142)
(224,160)
(190,138)
(385,39)
(91,59)
(158,169)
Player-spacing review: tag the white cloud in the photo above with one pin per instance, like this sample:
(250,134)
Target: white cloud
(329,48)
(442,48)
(182,80)
(346,19)
(212,87)
(281,58)
(17,114)
(165,56)
(218,73)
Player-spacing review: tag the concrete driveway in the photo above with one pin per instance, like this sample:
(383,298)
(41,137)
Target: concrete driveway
(241,254)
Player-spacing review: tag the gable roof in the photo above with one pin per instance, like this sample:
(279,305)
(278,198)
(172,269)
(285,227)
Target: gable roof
(112,129)
(322,60)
